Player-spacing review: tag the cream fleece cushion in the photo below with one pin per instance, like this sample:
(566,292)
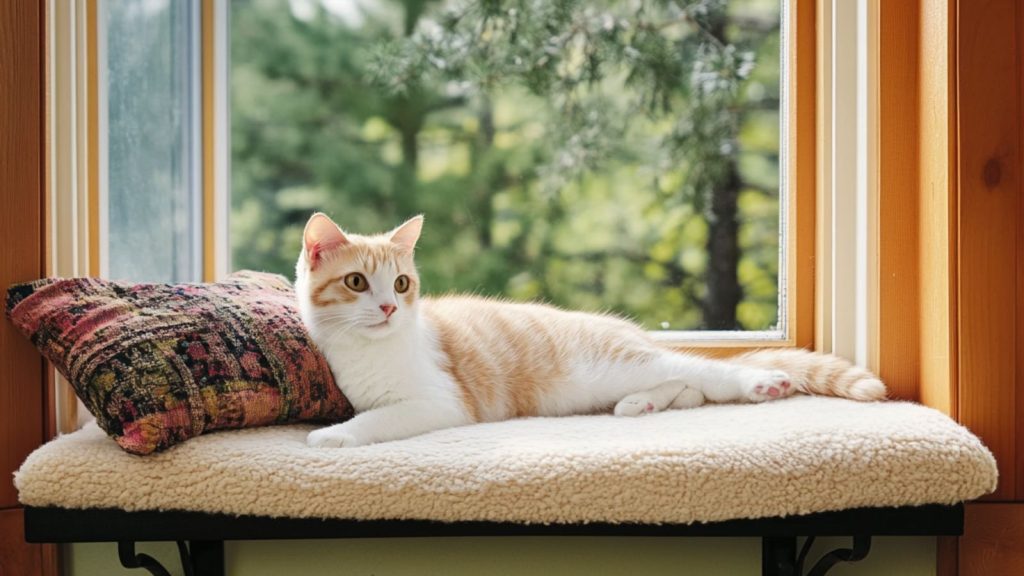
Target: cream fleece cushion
(793,456)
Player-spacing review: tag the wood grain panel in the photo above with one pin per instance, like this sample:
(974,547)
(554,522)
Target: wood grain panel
(947,556)
(916,201)
(936,190)
(1020,261)
(989,178)
(50,425)
(18,558)
(803,153)
(24,414)
(899,330)
(993,540)
(21,257)
(937,220)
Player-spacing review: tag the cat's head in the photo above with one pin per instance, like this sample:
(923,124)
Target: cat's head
(349,284)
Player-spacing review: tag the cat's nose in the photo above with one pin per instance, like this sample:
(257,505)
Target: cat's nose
(388,309)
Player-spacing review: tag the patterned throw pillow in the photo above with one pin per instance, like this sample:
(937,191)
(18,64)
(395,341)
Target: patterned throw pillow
(157,364)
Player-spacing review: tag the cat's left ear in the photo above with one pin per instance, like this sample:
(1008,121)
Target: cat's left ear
(407,234)
(321,235)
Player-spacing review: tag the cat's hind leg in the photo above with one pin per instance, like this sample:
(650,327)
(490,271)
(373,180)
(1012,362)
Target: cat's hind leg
(674,393)
(725,381)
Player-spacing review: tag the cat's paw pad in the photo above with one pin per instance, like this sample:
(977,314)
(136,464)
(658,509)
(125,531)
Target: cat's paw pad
(327,438)
(636,405)
(769,385)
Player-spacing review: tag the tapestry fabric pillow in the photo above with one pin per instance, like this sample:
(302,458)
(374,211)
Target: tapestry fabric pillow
(157,364)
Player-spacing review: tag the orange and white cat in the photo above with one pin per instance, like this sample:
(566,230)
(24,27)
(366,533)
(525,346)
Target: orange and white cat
(411,364)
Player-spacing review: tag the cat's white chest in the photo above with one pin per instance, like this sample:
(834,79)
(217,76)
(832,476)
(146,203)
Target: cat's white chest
(379,373)
(369,379)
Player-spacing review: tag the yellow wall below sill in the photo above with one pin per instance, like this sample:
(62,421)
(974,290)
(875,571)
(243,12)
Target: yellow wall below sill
(526,556)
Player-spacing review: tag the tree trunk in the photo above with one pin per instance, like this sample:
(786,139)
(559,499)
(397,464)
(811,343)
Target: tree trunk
(407,117)
(405,181)
(488,176)
(724,291)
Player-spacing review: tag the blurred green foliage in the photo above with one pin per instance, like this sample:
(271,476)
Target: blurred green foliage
(565,151)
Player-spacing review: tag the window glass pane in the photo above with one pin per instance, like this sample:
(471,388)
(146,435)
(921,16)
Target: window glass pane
(152,110)
(612,155)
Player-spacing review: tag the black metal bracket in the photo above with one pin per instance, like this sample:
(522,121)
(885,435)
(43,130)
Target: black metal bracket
(861,547)
(203,555)
(198,558)
(63,525)
(779,557)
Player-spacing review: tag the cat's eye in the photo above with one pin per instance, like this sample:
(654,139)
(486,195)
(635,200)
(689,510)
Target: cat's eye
(356,282)
(401,284)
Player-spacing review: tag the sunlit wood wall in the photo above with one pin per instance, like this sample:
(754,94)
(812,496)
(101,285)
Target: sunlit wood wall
(23,407)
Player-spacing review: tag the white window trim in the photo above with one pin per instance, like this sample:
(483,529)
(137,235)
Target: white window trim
(847,275)
(69,170)
(221,140)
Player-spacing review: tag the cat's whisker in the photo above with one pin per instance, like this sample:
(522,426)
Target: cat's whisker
(336,327)
(337,332)
(334,317)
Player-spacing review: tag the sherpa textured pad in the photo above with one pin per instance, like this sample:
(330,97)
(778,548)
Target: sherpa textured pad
(787,457)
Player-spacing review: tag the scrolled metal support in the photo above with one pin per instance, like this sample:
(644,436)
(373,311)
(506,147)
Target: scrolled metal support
(861,547)
(198,558)
(779,556)
(129,559)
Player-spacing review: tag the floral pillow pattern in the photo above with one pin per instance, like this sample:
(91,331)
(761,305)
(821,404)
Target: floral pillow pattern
(157,364)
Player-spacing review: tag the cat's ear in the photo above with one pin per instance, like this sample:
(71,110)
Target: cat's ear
(321,236)
(407,234)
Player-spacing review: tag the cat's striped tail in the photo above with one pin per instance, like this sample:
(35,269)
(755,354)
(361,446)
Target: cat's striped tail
(818,374)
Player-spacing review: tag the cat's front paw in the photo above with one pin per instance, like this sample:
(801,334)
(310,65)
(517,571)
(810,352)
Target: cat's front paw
(331,438)
(636,405)
(764,385)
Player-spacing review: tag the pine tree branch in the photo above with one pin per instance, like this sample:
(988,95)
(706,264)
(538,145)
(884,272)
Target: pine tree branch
(446,103)
(757,23)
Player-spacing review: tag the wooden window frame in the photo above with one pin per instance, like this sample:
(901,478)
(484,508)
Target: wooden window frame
(917,201)
(801,136)
(899,359)
(801,147)
(952,234)
(215,137)
(950,212)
